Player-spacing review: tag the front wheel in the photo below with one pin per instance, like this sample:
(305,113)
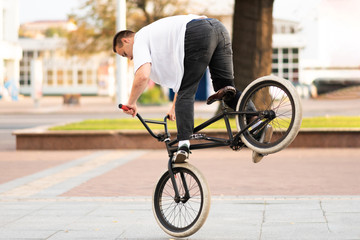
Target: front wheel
(185,217)
(269,101)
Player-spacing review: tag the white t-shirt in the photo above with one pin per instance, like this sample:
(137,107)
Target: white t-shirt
(161,43)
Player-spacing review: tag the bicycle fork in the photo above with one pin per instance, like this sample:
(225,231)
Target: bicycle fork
(177,197)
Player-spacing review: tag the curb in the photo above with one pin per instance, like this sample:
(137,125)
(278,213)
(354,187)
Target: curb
(42,139)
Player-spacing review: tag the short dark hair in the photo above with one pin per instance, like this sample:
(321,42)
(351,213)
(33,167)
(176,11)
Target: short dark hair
(119,36)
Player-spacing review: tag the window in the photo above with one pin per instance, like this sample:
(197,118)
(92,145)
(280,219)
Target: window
(285,63)
(60,77)
(80,77)
(69,74)
(50,77)
(22,78)
(89,77)
(25,67)
(28,78)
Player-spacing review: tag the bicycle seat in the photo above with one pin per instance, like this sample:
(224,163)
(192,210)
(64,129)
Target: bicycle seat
(225,93)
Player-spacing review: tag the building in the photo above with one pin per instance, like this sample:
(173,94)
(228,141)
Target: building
(319,47)
(287,42)
(331,58)
(61,74)
(42,29)
(10,50)
(287,45)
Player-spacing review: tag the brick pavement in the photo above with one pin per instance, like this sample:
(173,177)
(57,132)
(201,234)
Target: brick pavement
(294,194)
(113,173)
(16,164)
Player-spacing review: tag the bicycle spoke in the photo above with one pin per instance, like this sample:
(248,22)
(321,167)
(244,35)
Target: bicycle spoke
(185,212)
(269,96)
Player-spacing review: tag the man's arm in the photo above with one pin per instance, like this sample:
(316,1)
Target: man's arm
(141,79)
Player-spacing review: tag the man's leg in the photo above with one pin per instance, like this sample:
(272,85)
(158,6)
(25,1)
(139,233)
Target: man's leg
(222,73)
(221,64)
(200,43)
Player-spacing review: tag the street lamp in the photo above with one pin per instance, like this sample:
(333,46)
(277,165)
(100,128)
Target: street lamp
(121,63)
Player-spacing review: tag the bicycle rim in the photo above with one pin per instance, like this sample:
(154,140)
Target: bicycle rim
(275,96)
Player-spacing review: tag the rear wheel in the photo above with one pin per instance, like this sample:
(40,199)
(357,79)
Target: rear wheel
(278,105)
(184,217)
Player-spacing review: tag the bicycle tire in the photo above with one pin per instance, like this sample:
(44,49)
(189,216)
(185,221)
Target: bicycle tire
(280,97)
(184,219)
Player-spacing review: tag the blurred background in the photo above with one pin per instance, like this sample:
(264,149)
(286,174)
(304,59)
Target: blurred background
(64,48)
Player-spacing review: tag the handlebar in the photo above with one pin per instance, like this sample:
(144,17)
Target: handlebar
(159,137)
(123,107)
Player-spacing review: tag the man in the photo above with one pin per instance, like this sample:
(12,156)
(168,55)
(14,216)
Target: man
(175,52)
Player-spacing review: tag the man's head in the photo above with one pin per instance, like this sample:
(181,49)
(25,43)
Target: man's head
(123,43)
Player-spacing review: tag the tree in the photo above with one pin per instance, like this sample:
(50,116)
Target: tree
(144,12)
(252,40)
(55,32)
(97,24)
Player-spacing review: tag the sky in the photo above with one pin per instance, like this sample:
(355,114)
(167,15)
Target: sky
(33,10)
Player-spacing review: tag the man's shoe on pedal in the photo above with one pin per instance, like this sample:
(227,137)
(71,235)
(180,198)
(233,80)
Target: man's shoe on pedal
(182,154)
(225,93)
(266,135)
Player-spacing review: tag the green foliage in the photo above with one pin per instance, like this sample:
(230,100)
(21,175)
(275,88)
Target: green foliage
(128,124)
(95,27)
(120,124)
(331,122)
(96,22)
(153,96)
(55,32)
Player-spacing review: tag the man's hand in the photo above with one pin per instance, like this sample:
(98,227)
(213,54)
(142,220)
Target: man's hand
(132,109)
(171,112)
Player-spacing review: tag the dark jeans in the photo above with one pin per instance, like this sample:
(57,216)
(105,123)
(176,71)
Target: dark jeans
(207,43)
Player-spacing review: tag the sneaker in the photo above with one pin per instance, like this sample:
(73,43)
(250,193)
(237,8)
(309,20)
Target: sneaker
(182,154)
(265,138)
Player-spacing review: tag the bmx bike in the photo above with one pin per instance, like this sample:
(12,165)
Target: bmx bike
(181,198)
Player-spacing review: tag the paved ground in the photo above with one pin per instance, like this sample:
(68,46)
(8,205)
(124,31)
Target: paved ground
(51,105)
(294,194)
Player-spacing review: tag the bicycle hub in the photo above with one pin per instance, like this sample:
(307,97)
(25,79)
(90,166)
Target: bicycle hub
(269,114)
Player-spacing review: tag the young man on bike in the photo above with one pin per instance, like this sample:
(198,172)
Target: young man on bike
(175,52)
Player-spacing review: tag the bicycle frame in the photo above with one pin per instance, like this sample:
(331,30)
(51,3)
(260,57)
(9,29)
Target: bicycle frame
(232,141)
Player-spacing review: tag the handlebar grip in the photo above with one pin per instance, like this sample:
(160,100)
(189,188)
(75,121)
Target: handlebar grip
(123,107)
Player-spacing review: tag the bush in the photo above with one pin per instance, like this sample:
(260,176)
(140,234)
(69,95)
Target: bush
(153,96)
